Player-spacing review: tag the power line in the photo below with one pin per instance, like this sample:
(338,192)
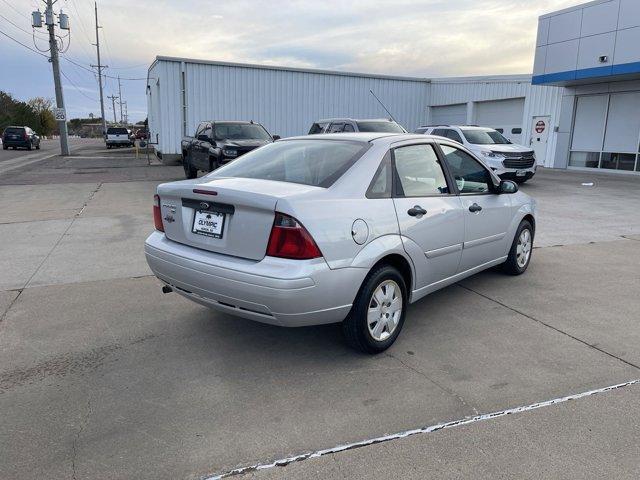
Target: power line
(15,9)
(104,74)
(19,27)
(25,46)
(76,87)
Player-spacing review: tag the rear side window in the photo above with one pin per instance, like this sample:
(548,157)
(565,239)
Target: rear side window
(381,184)
(469,174)
(317,128)
(310,162)
(348,128)
(419,171)
(441,132)
(420,130)
(336,128)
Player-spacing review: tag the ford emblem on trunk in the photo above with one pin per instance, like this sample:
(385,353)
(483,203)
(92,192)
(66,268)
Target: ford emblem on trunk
(204,205)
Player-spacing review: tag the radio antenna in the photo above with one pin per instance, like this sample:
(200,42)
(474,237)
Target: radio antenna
(385,108)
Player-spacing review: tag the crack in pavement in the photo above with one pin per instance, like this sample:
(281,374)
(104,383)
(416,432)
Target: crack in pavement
(74,451)
(441,387)
(283,462)
(91,195)
(595,347)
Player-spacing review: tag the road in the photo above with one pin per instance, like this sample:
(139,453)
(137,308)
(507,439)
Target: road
(103,376)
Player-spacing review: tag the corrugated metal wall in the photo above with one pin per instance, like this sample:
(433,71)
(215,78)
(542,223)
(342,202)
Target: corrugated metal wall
(286,102)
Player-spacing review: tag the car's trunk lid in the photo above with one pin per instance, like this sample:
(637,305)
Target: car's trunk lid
(247,207)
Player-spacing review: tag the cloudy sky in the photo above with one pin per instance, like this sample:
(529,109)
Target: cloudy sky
(426,38)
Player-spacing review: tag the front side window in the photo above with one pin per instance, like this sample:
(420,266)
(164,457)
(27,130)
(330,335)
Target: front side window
(348,128)
(380,127)
(240,131)
(484,137)
(419,171)
(469,174)
(310,162)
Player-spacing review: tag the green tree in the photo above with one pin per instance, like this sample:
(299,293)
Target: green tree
(46,122)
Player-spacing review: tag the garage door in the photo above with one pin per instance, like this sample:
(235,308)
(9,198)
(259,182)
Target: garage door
(449,114)
(504,115)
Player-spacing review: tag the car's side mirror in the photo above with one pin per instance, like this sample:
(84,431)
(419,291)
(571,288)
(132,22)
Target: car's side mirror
(507,186)
(203,138)
(276,137)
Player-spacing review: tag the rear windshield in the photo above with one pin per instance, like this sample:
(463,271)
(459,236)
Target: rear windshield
(13,130)
(309,162)
(117,131)
(386,127)
(240,131)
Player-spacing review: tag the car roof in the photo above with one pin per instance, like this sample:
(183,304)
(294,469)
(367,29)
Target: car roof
(242,122)
(367,137)
(461,127)
(347,119)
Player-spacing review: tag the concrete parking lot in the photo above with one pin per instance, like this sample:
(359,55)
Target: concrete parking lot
(103,376)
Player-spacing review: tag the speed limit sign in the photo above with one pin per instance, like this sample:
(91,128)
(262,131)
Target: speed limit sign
(60,114)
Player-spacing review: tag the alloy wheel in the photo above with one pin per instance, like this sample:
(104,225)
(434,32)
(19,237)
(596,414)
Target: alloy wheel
(385,310)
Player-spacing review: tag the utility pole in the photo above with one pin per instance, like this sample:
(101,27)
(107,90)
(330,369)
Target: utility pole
(113,103)
(49,17)
(100,67)
(120,96)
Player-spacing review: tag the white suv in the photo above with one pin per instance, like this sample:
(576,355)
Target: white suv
(508,160)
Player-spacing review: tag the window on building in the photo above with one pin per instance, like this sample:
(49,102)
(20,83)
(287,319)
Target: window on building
(515,131)
(606,131)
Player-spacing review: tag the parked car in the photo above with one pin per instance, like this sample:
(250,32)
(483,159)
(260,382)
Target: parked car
(22,137)
(312,230)
(508,160)
(348,125)
(141,134)
(216,143)
(118,137)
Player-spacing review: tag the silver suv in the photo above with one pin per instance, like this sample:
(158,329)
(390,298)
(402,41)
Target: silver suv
(350,125)
(508,160)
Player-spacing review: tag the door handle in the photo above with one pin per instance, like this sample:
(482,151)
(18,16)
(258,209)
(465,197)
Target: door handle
(416,211)
(475,208)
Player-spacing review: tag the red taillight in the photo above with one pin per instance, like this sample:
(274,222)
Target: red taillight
(25,136)
(157,215)
(289,239)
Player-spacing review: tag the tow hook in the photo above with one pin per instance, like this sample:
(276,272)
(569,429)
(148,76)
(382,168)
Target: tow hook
(166,289)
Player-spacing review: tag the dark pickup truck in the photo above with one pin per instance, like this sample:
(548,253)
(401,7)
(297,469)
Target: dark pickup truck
(217,143)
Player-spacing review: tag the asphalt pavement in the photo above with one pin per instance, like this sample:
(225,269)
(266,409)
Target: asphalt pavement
(103,376)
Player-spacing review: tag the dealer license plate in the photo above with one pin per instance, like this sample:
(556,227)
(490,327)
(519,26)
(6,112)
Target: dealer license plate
(521,173)
(210,224)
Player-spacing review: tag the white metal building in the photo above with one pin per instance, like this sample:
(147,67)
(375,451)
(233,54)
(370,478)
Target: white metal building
(593,51)
(183,92)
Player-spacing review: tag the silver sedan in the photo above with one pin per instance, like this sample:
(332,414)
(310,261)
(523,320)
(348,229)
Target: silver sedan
(344,228)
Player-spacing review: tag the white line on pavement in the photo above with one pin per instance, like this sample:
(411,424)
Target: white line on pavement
(8,165)
(433,428)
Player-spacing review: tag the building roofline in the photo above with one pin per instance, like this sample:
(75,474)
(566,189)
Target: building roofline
(287,69)
(484,78)
(573,8)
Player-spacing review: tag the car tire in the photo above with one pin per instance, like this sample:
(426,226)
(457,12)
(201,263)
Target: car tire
(4,147)
(213,164)
(38,147)
(382,289)
(521,250)
(29,146)
(189,170)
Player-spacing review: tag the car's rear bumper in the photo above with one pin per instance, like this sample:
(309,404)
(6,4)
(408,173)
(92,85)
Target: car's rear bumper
(17,143)
(119,142)
(273,290)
